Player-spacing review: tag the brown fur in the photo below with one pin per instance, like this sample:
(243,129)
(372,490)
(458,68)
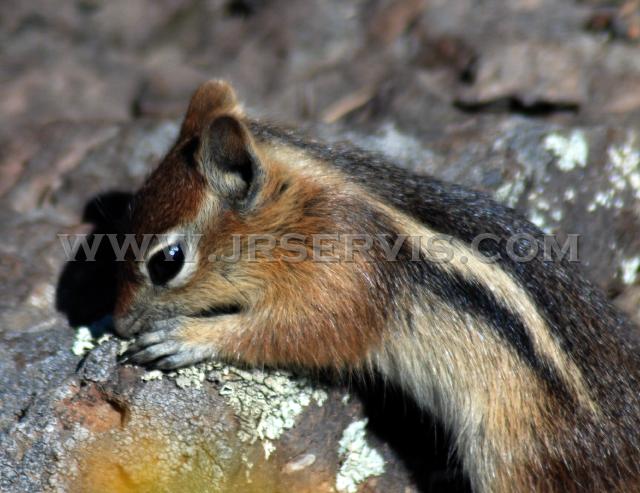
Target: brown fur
(539,395)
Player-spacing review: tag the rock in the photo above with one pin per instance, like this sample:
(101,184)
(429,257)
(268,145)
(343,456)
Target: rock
(211,428)
(528,75)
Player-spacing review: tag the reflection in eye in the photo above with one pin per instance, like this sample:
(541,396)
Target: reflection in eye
(165,264)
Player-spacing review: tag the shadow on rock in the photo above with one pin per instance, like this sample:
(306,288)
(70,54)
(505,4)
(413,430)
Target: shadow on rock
(86,290)
(422,445)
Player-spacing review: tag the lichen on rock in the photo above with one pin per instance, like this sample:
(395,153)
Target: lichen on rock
(83,342)
(267,402)
(358,460)
(570,152)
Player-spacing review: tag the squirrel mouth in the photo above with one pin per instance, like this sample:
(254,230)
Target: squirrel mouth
(215,311)
(134,323)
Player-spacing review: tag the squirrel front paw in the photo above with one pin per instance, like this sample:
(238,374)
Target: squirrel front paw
(166,347)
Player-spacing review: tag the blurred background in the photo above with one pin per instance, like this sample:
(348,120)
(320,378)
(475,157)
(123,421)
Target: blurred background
(423,64)
(536,102)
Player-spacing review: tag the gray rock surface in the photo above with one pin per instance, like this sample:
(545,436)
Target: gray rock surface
(537,105)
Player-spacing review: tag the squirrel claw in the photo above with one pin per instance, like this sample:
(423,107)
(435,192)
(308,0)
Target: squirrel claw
(164,349)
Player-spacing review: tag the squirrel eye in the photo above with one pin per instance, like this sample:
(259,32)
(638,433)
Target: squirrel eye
(166,264)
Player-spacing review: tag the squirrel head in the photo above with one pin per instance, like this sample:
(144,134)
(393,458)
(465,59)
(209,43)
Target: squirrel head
(227,183)
(210,178)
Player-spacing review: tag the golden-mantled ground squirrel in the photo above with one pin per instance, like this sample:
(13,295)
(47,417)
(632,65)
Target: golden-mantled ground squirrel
(528,365)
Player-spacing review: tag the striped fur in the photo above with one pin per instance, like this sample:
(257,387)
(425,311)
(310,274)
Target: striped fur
(527,364)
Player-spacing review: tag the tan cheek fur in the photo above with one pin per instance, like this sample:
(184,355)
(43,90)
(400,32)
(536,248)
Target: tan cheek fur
(316,327)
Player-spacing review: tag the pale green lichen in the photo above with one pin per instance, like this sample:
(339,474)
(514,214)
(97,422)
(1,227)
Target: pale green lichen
(570,152)
(557,215)
(625,164)
(569,194)
(152,375)
(268,448)
(543,205)
(185,378)
(536,219)
(191,376)
(83,342)
(510,191)
(102,339)
(358,460)
(544,213)
(124,345)
(268,402)
(602,199)
(630,269)
(540,214)
(623,176)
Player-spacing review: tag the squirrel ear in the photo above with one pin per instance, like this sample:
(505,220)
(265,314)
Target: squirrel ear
(212,98)
(228,159)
